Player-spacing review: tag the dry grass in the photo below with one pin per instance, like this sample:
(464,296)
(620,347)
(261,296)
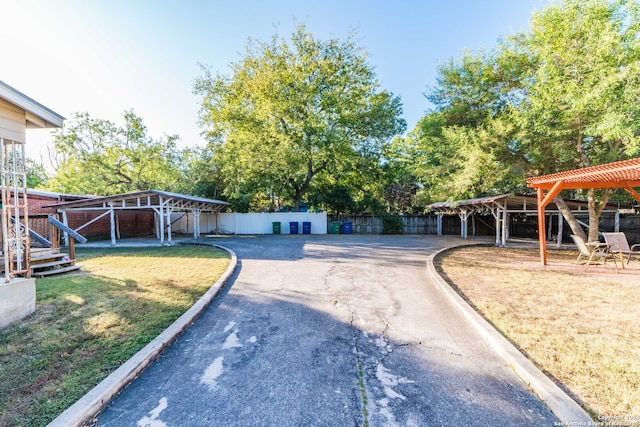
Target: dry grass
(581,328)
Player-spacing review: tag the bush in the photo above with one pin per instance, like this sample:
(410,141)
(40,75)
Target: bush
(391,224)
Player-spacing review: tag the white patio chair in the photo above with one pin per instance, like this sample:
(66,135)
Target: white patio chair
(618,243)
(593,252)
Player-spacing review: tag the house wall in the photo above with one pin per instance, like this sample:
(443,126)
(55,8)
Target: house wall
(13,122)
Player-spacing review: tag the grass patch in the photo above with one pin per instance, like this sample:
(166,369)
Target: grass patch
(578,327)
(87,324)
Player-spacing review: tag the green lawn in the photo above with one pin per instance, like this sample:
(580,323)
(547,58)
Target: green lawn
(88,323)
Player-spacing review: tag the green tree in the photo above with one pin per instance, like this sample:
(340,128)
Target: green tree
(201,176)
(97,157)
(581,104)
(467,146)
(561,96)
(37,176)
(293,111)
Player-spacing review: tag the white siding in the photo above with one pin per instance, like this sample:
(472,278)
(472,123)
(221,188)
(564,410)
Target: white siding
(13,122)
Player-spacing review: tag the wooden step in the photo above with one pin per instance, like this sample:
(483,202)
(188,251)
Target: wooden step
(44,258)
(56,271)
(52,263)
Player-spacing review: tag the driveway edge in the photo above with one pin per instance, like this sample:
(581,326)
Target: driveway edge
(98,397)
(562,406)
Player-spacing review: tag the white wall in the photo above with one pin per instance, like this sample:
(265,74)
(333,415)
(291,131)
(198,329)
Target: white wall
(251,223)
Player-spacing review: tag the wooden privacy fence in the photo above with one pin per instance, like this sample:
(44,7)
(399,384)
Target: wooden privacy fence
(484,225)
(411,224)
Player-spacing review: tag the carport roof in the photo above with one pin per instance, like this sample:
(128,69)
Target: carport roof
(511,202)
(148,199)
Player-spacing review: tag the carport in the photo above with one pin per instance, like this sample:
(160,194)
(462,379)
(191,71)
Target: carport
(161,202)
(623,174)
(501,207)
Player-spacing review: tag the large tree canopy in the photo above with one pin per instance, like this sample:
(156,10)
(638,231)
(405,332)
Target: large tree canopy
(293,111)
(95,156)
(561,96)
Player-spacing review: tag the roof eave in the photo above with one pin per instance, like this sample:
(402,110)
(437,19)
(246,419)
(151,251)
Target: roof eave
(38,116)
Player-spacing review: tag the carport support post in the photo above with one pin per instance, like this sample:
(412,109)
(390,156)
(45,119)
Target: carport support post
(496,215)
(112,223)
(503,227)
(161,217)
(439,223)
(169,212)
(196,222)
(65,222)
(464,216)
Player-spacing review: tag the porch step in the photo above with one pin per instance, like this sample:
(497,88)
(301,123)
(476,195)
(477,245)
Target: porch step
(56,271)
(46,262)
(55,263)
(44,255)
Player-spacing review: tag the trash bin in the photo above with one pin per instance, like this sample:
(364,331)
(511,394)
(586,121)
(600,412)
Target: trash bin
(293,228)
(306,227)
(335,227)
(276,228)
(347,228)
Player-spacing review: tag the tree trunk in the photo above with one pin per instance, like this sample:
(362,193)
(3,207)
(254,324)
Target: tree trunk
(576,228)
(595,211)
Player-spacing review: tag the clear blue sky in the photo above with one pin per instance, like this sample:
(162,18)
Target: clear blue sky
(105,57)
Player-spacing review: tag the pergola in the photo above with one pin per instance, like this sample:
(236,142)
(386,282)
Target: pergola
(161,202)
(623,174)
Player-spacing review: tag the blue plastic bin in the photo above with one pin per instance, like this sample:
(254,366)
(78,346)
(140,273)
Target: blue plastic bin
(347,227)
(306,227)
(293,228)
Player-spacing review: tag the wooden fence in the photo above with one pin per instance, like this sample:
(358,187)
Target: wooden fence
(484,225)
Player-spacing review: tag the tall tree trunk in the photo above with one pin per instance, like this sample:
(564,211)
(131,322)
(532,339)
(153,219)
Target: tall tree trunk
(576,228)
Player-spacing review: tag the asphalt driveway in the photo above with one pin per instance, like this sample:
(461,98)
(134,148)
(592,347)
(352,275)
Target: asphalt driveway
(329,331)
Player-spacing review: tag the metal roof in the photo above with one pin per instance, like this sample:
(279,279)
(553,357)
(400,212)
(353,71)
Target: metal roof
(622,174)
(48,118)
(143,200)
(510,202)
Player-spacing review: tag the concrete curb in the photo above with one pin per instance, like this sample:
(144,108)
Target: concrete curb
(562,406)
(98,397)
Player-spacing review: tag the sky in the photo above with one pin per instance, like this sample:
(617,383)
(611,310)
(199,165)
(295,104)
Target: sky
(108,56)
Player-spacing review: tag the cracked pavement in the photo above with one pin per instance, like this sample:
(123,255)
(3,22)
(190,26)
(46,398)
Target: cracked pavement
(328,331)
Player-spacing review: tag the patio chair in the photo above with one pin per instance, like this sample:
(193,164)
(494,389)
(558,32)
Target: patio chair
(618,243)
(593,252)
